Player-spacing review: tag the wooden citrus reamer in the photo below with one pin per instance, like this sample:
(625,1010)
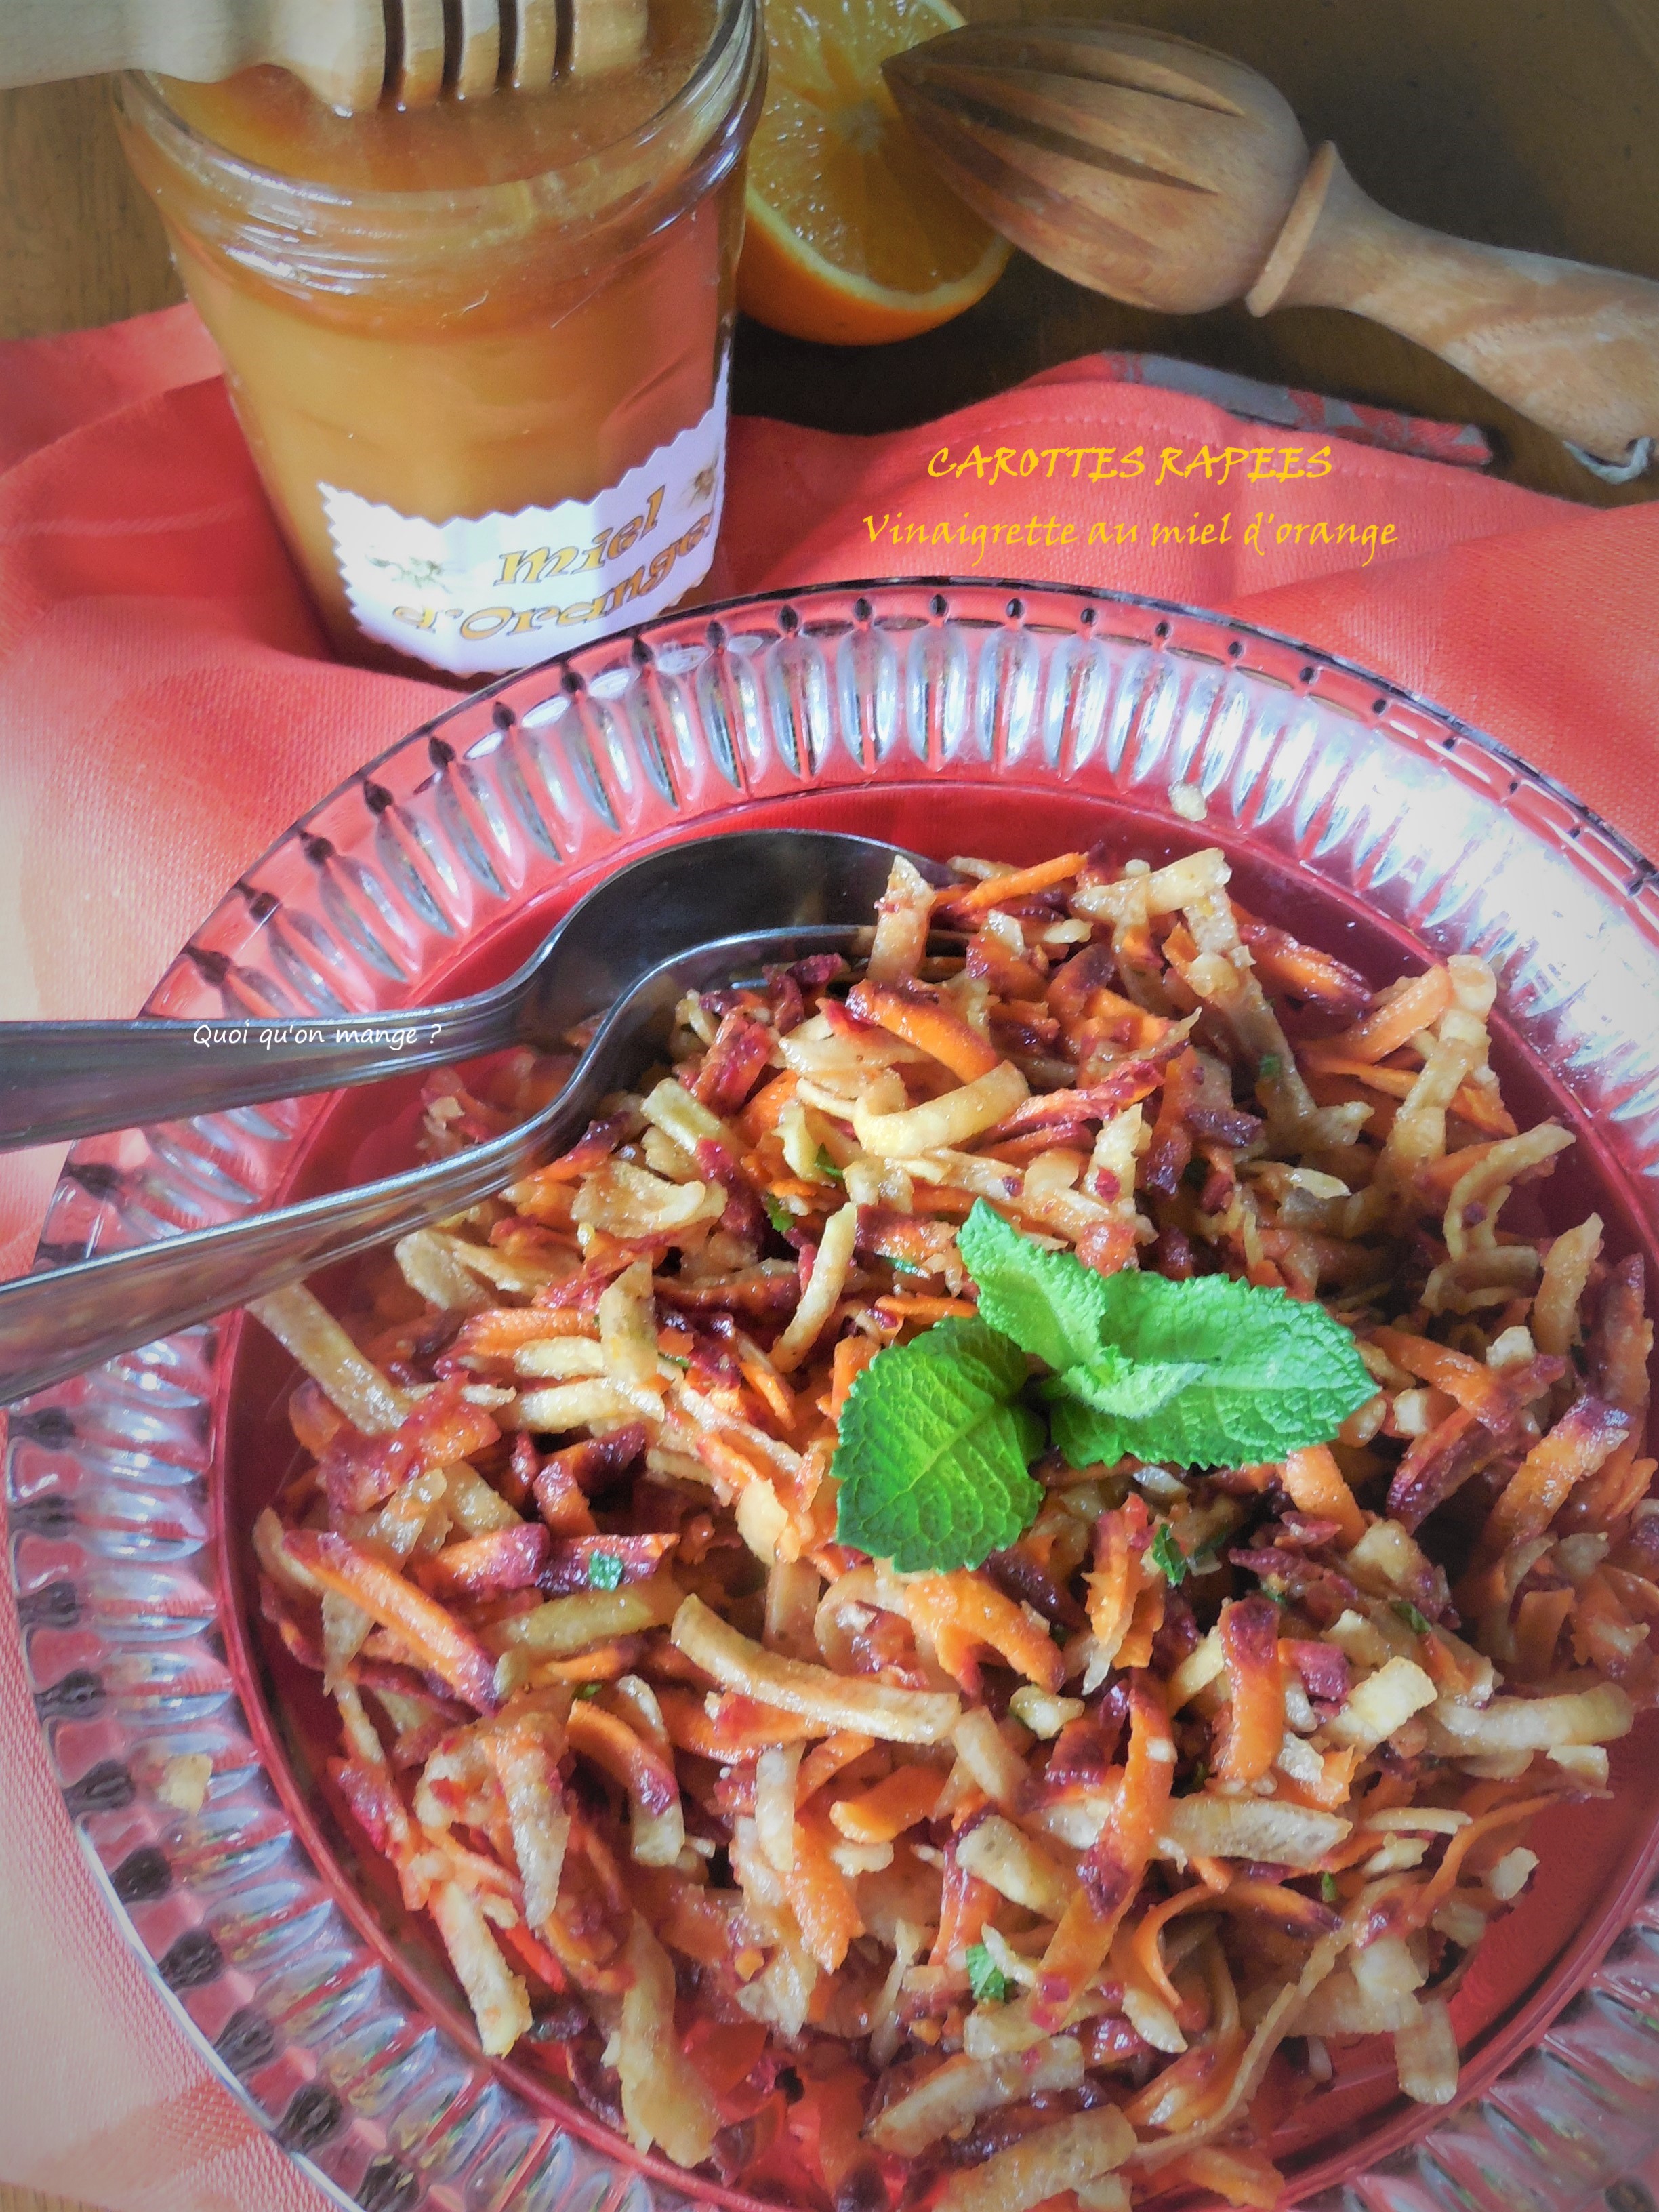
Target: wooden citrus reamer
(1173,177)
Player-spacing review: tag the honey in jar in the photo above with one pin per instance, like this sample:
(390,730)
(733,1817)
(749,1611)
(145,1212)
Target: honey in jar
(479,348)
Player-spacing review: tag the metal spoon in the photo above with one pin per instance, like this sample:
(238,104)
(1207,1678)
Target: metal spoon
(54,1325)
(74,1079)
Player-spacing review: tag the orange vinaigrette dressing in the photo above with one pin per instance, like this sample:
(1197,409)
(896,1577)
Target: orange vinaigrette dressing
(478,349)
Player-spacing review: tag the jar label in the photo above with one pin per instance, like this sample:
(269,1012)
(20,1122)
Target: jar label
(479,597)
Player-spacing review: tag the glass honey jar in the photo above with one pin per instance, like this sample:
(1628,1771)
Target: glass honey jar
(479,349)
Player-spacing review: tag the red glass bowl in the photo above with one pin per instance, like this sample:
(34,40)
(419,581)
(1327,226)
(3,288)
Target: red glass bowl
(955,717)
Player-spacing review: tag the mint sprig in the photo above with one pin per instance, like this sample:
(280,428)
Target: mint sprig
(1206,1373)
(936,1436)
(934,1450)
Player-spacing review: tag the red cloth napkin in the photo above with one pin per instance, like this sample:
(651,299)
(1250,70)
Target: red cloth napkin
(167,709)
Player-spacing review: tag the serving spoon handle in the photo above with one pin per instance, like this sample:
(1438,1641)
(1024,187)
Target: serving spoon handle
(62,1079)
(55,1324)
(71,1079)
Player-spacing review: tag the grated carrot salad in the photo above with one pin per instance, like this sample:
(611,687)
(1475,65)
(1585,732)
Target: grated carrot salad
(858,1888)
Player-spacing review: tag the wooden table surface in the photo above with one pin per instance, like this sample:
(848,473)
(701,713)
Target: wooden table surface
(1533,125)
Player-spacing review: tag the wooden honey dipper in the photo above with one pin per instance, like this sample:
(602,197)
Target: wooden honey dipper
(349,52)
(1172,177)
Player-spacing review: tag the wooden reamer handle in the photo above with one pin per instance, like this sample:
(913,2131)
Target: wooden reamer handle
(1575,349)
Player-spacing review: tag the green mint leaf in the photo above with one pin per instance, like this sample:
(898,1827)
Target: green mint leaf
(604,1570)
(1168,1556)
(826,1166)
(1050,1304)
(1206,1373)
(1271,1067)
(1278,1372)
(1327,1889)
(778,1214)
(1115,1385)
(934,1450)
(1416,1621)
(985,1978)
(1082,1436)
(589,1689)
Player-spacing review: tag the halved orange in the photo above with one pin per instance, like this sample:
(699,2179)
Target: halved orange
(852,237)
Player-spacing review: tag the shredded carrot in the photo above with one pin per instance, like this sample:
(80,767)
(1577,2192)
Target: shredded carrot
(499,1332)
(1436,1180)
(1477,1103)
(853,1354)
(1614,1491)
(907,1795)
(1431,1894)
(612,1746)
(965,1905)
(1331,1791)
(1142,1029)
(1023,883)
(1392,1024)
(1144,1943)
(765,1108)
(1619,1488)
(1477,1387)
(1201,2078)
(1136,1649)
(1249,1630)
(734,1738)
(1586,1436)
(939,1198)
(771,1387)
(1113,1585)
(902,1308)
(604,1663)
(961,1610)
(820,1895)
(535,1955)
(1349,1852)
(826,1759)
(1116,1862)
(423,1625)
(933,1026)
(1319,1489)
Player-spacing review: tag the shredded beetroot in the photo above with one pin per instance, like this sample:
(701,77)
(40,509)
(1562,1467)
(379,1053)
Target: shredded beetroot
(734,1063)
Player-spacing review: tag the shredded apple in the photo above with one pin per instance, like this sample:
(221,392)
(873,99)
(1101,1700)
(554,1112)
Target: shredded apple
(1011,1530)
